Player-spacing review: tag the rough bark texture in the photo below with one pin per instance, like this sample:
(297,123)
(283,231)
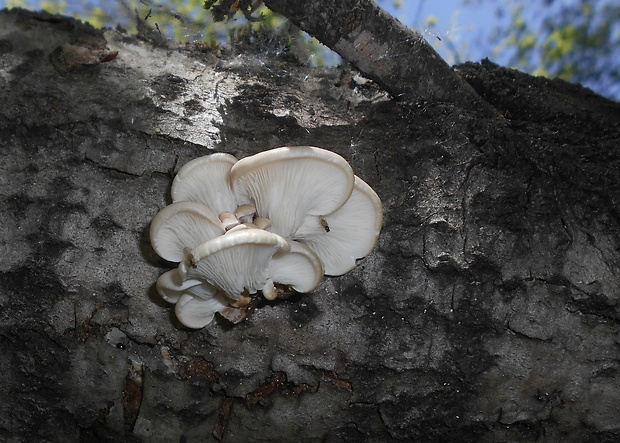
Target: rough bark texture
(383,49)
(488,311)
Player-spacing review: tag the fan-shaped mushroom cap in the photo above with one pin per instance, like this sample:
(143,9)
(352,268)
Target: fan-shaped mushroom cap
(196,312)
(287,184)
(171,286)
(300,268)
(235,262)
(349,233)
(205,180)
(182,226)
(196,301)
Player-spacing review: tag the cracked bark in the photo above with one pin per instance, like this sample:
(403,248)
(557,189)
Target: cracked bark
(430,338)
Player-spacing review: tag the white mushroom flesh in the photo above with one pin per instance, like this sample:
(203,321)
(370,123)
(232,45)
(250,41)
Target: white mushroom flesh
(171,286)
(269,290)
(287,184)
(195,312)
(205,180)
(235,263)
(300,268)
(348,234)
(245,213)
(182,226)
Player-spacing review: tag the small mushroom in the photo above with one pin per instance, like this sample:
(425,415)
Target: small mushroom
(239,227)
(245,213)
(183,226)
(228,220)
(287,184)
(347,234)
(269,290)
(262,222)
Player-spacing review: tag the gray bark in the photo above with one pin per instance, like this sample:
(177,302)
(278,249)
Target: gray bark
(488,311)
(397,58)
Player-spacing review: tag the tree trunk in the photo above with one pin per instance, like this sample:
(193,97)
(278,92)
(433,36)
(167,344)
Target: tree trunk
(487,312)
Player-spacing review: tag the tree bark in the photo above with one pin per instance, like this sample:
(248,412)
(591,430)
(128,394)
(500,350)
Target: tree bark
(400,60)
(487,312)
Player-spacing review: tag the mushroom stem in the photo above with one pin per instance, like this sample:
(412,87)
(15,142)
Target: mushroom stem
(269,290)
(243,301)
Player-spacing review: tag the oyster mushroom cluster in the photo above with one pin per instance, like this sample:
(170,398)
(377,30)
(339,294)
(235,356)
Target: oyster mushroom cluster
(272,222)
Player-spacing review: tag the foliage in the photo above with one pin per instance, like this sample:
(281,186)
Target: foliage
(578,41)
(230,25)
(268,32)
(226,9)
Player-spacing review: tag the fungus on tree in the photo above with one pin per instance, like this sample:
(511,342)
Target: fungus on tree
(272,222)
(182,226)
(288,184)
(348,233)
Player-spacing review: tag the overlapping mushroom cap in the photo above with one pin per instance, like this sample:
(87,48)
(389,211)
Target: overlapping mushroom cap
(281,216)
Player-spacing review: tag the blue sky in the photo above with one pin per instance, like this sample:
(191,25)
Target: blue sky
(461,32)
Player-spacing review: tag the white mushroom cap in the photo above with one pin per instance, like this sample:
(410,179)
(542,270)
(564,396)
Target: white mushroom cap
(196,312)
(300,268)
(182,226)
(349,233)
(287,184)
(262,222)
(235,262)
(196,301)
(205,180)
(298,212)
(245,213)
(171,286)
(228,220)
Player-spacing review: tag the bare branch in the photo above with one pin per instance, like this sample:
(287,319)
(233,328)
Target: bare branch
(383,49)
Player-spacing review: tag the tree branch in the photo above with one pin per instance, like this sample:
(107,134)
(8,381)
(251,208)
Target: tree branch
(383,49)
